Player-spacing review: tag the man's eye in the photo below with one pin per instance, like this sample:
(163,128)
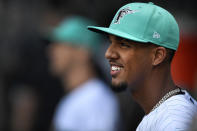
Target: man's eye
(124,45)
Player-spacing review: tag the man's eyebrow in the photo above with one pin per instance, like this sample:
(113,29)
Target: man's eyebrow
(125,40)
(128,41)
(119,38)
(122,39)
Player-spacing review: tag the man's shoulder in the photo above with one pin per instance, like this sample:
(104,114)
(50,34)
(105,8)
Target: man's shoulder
(178,107)
(175,113)
(180,104)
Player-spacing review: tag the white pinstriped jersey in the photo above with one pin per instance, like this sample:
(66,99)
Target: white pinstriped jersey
(175,114)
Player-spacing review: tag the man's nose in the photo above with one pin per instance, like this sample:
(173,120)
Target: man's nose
(111,52)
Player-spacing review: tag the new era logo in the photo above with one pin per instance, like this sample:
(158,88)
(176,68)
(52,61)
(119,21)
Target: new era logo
(156,35)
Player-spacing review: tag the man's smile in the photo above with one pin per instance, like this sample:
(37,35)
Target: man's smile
(115,69)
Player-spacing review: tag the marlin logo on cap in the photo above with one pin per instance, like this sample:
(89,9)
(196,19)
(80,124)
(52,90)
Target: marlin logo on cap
(122,13)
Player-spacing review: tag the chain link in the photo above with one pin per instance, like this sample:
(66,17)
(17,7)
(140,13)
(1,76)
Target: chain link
(169,94)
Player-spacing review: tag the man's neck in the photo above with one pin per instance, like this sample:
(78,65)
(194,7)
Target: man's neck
(151,91)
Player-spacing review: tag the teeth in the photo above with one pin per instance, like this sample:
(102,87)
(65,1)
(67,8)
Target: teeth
(115,68)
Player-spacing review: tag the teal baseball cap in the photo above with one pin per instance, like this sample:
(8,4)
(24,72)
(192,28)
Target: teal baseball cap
(73,31)
(144,22)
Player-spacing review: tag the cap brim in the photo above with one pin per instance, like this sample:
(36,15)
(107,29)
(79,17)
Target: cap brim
(105,30)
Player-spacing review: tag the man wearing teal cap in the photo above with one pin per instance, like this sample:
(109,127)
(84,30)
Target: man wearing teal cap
(144,38)
(90,105)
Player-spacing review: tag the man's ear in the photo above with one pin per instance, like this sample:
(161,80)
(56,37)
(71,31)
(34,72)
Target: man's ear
(159,55)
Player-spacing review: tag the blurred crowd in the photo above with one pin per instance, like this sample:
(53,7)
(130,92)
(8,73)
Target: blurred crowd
(30,93)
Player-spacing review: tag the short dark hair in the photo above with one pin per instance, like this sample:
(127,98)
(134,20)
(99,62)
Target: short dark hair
(169,55)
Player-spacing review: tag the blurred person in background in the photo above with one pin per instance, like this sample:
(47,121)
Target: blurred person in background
(24,107)
(144,38)
(89,105)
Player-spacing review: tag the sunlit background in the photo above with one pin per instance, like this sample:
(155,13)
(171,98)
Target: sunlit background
(29,93)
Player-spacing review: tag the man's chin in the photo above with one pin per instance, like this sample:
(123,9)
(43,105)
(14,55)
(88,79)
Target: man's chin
(119,87)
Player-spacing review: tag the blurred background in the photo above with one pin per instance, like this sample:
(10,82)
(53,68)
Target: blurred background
(29,93)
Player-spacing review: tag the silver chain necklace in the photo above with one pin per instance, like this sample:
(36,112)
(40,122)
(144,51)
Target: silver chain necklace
(169,94)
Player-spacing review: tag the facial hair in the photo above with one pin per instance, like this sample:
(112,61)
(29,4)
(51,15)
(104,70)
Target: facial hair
(120,87)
